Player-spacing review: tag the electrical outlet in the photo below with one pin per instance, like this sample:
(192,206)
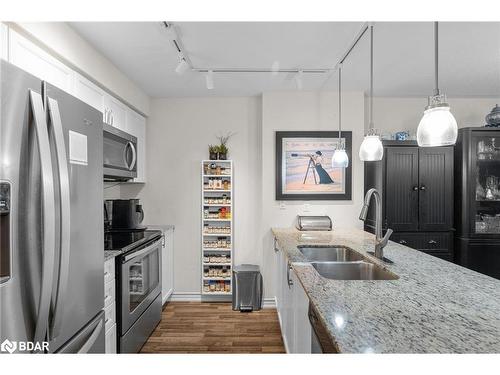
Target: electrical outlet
(282,205)
(307,207)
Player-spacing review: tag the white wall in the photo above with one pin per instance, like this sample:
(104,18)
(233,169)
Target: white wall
(306,111)
(178,133)
(63,42)
(396,114)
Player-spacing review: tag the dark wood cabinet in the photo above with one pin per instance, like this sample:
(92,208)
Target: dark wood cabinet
(477,204)
(416,184)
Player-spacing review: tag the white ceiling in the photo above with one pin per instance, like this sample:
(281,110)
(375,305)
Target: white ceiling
(469,56)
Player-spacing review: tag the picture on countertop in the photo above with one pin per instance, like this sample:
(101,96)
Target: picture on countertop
(304,169)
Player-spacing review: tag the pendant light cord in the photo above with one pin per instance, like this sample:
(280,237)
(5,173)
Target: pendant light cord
(371,77)
(436,57)
(340,106)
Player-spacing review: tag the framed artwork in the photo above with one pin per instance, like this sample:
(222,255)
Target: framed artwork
(304,166)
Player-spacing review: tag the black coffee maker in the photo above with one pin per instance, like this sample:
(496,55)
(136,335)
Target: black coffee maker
(123,215)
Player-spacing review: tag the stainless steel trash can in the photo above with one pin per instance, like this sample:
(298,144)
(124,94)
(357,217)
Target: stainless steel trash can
(247,288)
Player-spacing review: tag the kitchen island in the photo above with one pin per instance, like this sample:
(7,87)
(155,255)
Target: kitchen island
(433,307)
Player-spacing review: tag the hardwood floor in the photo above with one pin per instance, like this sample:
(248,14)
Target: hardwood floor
(195,327)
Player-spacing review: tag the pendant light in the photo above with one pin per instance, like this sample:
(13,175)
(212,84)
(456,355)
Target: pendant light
(371,148)
(437,127)
(340,158)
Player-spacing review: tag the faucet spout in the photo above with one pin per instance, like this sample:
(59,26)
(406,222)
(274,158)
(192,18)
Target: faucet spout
(380,242)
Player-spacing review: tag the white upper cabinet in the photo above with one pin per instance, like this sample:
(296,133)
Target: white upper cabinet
(136,125)
(117,112)
(88,92)
(31,58)
(4,42)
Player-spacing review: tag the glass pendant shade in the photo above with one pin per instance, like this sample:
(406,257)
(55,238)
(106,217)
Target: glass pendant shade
(371,149)
(340,159)
(438,127)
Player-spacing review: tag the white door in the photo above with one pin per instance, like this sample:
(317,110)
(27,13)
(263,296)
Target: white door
(117,110)
(33,59)
(4,42)
(136,125)
(302,336)
(88,92)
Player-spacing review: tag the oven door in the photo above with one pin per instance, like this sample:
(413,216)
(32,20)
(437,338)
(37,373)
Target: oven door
(140,282)
(119,154)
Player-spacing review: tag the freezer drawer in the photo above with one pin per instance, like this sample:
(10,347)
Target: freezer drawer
(89,340)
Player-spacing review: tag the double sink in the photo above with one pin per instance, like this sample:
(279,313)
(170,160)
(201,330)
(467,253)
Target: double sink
(343,263)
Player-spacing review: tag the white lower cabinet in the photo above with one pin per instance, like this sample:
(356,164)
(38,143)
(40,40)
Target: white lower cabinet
(110,306)
(167,266)
(292,305)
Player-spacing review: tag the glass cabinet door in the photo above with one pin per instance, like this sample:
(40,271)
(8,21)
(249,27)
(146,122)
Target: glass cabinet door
(486,163)
(143,277)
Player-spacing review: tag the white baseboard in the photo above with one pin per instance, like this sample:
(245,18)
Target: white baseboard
(267,303)
(185,297)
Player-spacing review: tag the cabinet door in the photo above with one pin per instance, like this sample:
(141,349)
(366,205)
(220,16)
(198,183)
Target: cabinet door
(402,188)
(136,125)
(88,92)
(287,328)
(118,112)
(4,42)
(167,260)
(302,337)
(31,58)
(482,256)
(436,188)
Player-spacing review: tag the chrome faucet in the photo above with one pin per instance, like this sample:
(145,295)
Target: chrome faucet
(380,241)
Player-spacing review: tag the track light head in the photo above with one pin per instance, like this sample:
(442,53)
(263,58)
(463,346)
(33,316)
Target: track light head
(209,80)
(299,79)
(182,66)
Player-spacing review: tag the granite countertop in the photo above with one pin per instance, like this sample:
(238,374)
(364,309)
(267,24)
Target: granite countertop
(434,307)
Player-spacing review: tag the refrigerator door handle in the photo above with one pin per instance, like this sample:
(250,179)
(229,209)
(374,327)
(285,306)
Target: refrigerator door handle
(65,234)
(49,216)
(92,338)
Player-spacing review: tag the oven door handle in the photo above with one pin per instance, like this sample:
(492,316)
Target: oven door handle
(147,250)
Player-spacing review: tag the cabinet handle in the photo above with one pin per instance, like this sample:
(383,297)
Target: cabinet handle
(288,268)
(276,245)
(415,188)
(403,242)
(422,187)
(432,242)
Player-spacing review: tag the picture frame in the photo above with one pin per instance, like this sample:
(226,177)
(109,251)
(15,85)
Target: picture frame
(303,166)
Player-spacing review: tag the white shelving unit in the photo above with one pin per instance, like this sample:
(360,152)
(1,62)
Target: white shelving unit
(217,212)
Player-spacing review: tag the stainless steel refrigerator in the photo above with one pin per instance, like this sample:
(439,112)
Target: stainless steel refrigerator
(51,219)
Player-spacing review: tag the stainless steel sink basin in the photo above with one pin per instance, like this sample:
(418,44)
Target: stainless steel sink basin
(353,271)
(329,253)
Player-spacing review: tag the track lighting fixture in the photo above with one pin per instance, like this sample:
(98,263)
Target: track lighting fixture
(182,66)
(299,79)
(209,80)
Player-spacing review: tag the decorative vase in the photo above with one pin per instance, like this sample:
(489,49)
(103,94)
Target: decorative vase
(493,118)
(213,156)
(222,156)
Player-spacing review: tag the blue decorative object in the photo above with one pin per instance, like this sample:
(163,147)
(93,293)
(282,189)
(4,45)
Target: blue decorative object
(402,136)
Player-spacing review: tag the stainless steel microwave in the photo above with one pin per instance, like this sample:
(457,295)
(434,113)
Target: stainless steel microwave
(119,154)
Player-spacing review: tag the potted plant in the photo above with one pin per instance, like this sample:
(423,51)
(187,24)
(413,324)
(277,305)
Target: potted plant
(222,148)
(213,152)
